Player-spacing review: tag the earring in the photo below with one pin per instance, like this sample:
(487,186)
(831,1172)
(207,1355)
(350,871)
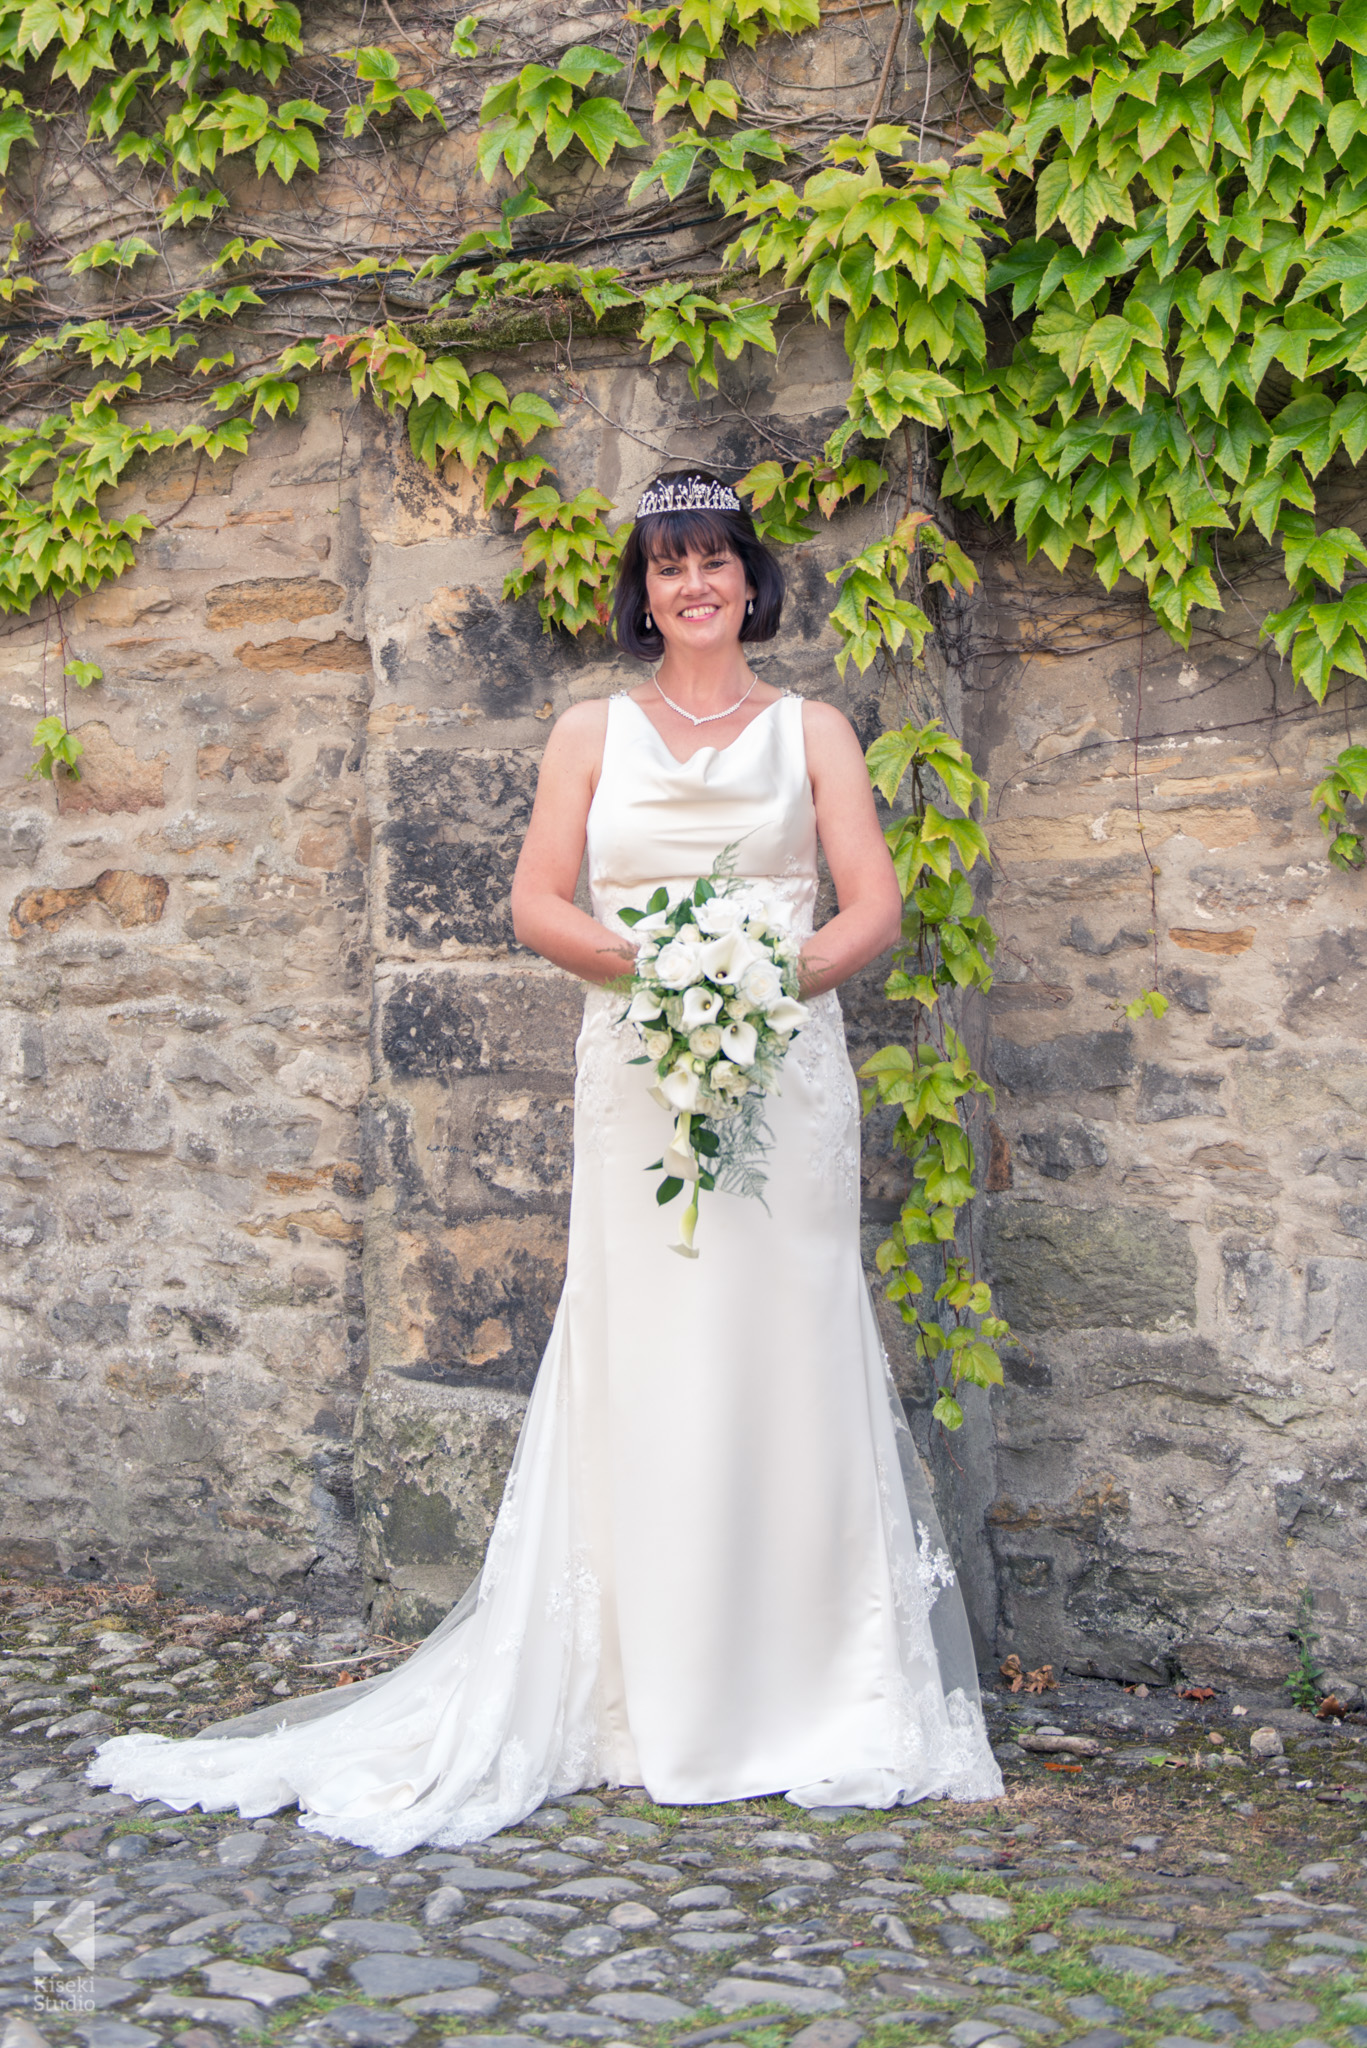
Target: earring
(749,607)
(650,623)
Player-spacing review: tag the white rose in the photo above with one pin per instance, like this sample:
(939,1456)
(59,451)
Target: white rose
(689,934)
(700,1006)
(721,914)
(644,1008)
(763,914)
(681,1088)
(705,1041)
(762,984)
(739,1042)
(679,964)
(657,1043)
(785,1015)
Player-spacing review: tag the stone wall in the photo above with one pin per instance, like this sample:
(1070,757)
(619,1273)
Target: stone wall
(1179,1224)
(186,1005)
(288,1113)
(284,1162)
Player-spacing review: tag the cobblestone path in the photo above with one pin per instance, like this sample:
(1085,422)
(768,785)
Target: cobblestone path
(1161,1872)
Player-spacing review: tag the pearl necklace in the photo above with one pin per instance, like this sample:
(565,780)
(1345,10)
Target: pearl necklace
(708,717)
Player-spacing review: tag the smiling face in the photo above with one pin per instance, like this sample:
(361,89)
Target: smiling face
(697,599)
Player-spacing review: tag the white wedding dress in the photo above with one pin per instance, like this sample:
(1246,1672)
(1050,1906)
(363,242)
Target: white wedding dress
(716,1571)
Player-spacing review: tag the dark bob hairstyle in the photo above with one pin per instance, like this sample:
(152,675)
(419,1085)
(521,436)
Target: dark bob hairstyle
(669,535)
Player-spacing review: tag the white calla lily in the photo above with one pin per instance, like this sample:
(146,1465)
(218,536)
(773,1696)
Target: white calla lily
(681,1088)
(786,1015)
(644,1008)
(700,1006)
(739,1042)
(726,959)
(680,1158)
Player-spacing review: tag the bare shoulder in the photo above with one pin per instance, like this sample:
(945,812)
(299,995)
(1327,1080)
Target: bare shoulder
(577,735)
(831,739)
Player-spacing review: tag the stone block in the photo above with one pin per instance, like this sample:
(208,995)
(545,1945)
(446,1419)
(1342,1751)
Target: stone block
(130,899)
(258,763)
(112,776)
(124,1117)
(1192,991)
(1069,1065)
(1224,944)
(1329,986)
(1082,939)
(448,1022)
(1092,839)
(198,1073)
(1333,1311)
(506,665)
(1065,1148)
(259,1138)
(454,826)
(21,839)
(431,1463)
(272,597)
(24,1225)
(325,846)
(78,1319)
(1059,1269)
(294,656)
(1166,1093)
(1290,1089)
(470,1303)
(522,1144)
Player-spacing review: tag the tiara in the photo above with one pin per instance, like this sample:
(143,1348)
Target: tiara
(687,494)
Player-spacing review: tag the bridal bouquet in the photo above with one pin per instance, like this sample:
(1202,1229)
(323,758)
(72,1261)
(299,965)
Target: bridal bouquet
(714,999)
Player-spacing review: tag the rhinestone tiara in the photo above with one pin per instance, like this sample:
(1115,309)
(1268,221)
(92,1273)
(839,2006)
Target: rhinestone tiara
(687,494)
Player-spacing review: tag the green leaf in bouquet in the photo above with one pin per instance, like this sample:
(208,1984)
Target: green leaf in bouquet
(642,1059)
(631,917)
(659,901)
(667,1189)
(706,1141)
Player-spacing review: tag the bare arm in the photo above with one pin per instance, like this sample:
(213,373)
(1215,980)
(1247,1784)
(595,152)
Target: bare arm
(545,915)
(870,914)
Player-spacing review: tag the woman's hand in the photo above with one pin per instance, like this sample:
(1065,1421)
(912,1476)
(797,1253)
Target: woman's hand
(545,914)
(866,888)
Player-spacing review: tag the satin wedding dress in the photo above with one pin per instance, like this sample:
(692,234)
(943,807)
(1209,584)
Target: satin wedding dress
(716,1571)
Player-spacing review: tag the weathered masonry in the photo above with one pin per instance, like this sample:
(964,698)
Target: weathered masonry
(286,1133)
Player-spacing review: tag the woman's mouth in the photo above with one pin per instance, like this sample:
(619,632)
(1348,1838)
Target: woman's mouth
(700,611)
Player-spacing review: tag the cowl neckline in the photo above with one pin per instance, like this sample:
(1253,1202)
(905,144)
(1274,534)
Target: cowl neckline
(715,752)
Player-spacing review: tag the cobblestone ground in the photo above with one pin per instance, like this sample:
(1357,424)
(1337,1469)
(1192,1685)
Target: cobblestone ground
(1149,1879)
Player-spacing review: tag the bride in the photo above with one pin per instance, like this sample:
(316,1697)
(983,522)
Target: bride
(716,1572)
